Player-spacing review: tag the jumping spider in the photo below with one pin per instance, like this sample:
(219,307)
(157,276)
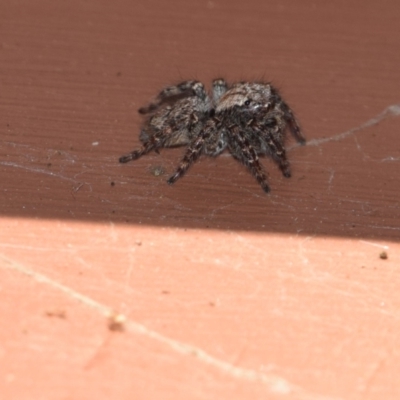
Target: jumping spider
(249,119)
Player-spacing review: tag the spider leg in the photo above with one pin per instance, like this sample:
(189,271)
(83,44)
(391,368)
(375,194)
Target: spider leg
(244,152)
(193,152)
(188,88)
(219,88)
(153,143)
(277,150)
(293,124)
(169,135)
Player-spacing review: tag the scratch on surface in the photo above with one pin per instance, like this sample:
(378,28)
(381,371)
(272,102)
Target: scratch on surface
(275,384)
(381,246)
(37,170)
(394,228)
(330,180)
(46,172)
(394,109)
(390,159)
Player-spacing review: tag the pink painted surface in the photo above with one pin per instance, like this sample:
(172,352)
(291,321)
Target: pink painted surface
(231,315)
(225,292)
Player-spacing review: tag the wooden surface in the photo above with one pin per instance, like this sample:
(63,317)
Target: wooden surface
(225,292)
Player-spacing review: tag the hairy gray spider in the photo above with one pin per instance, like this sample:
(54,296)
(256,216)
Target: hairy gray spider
(248,119)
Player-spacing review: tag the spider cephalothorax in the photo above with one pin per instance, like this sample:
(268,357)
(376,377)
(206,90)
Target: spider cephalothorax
(248,119)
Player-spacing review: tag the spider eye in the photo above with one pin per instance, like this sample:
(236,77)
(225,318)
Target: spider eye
(247,102)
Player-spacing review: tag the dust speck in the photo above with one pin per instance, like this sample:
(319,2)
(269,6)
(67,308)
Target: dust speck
(157,170)
(116,322)
(56,313)
(383,255)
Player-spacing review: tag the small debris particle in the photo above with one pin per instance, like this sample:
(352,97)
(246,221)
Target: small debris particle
(49,164)
(383,255)
(165,291)
(157,170)
(112,183)
(78,187)
(116,322)
(119,73)
(56,314)
(95,143)
(138,242)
